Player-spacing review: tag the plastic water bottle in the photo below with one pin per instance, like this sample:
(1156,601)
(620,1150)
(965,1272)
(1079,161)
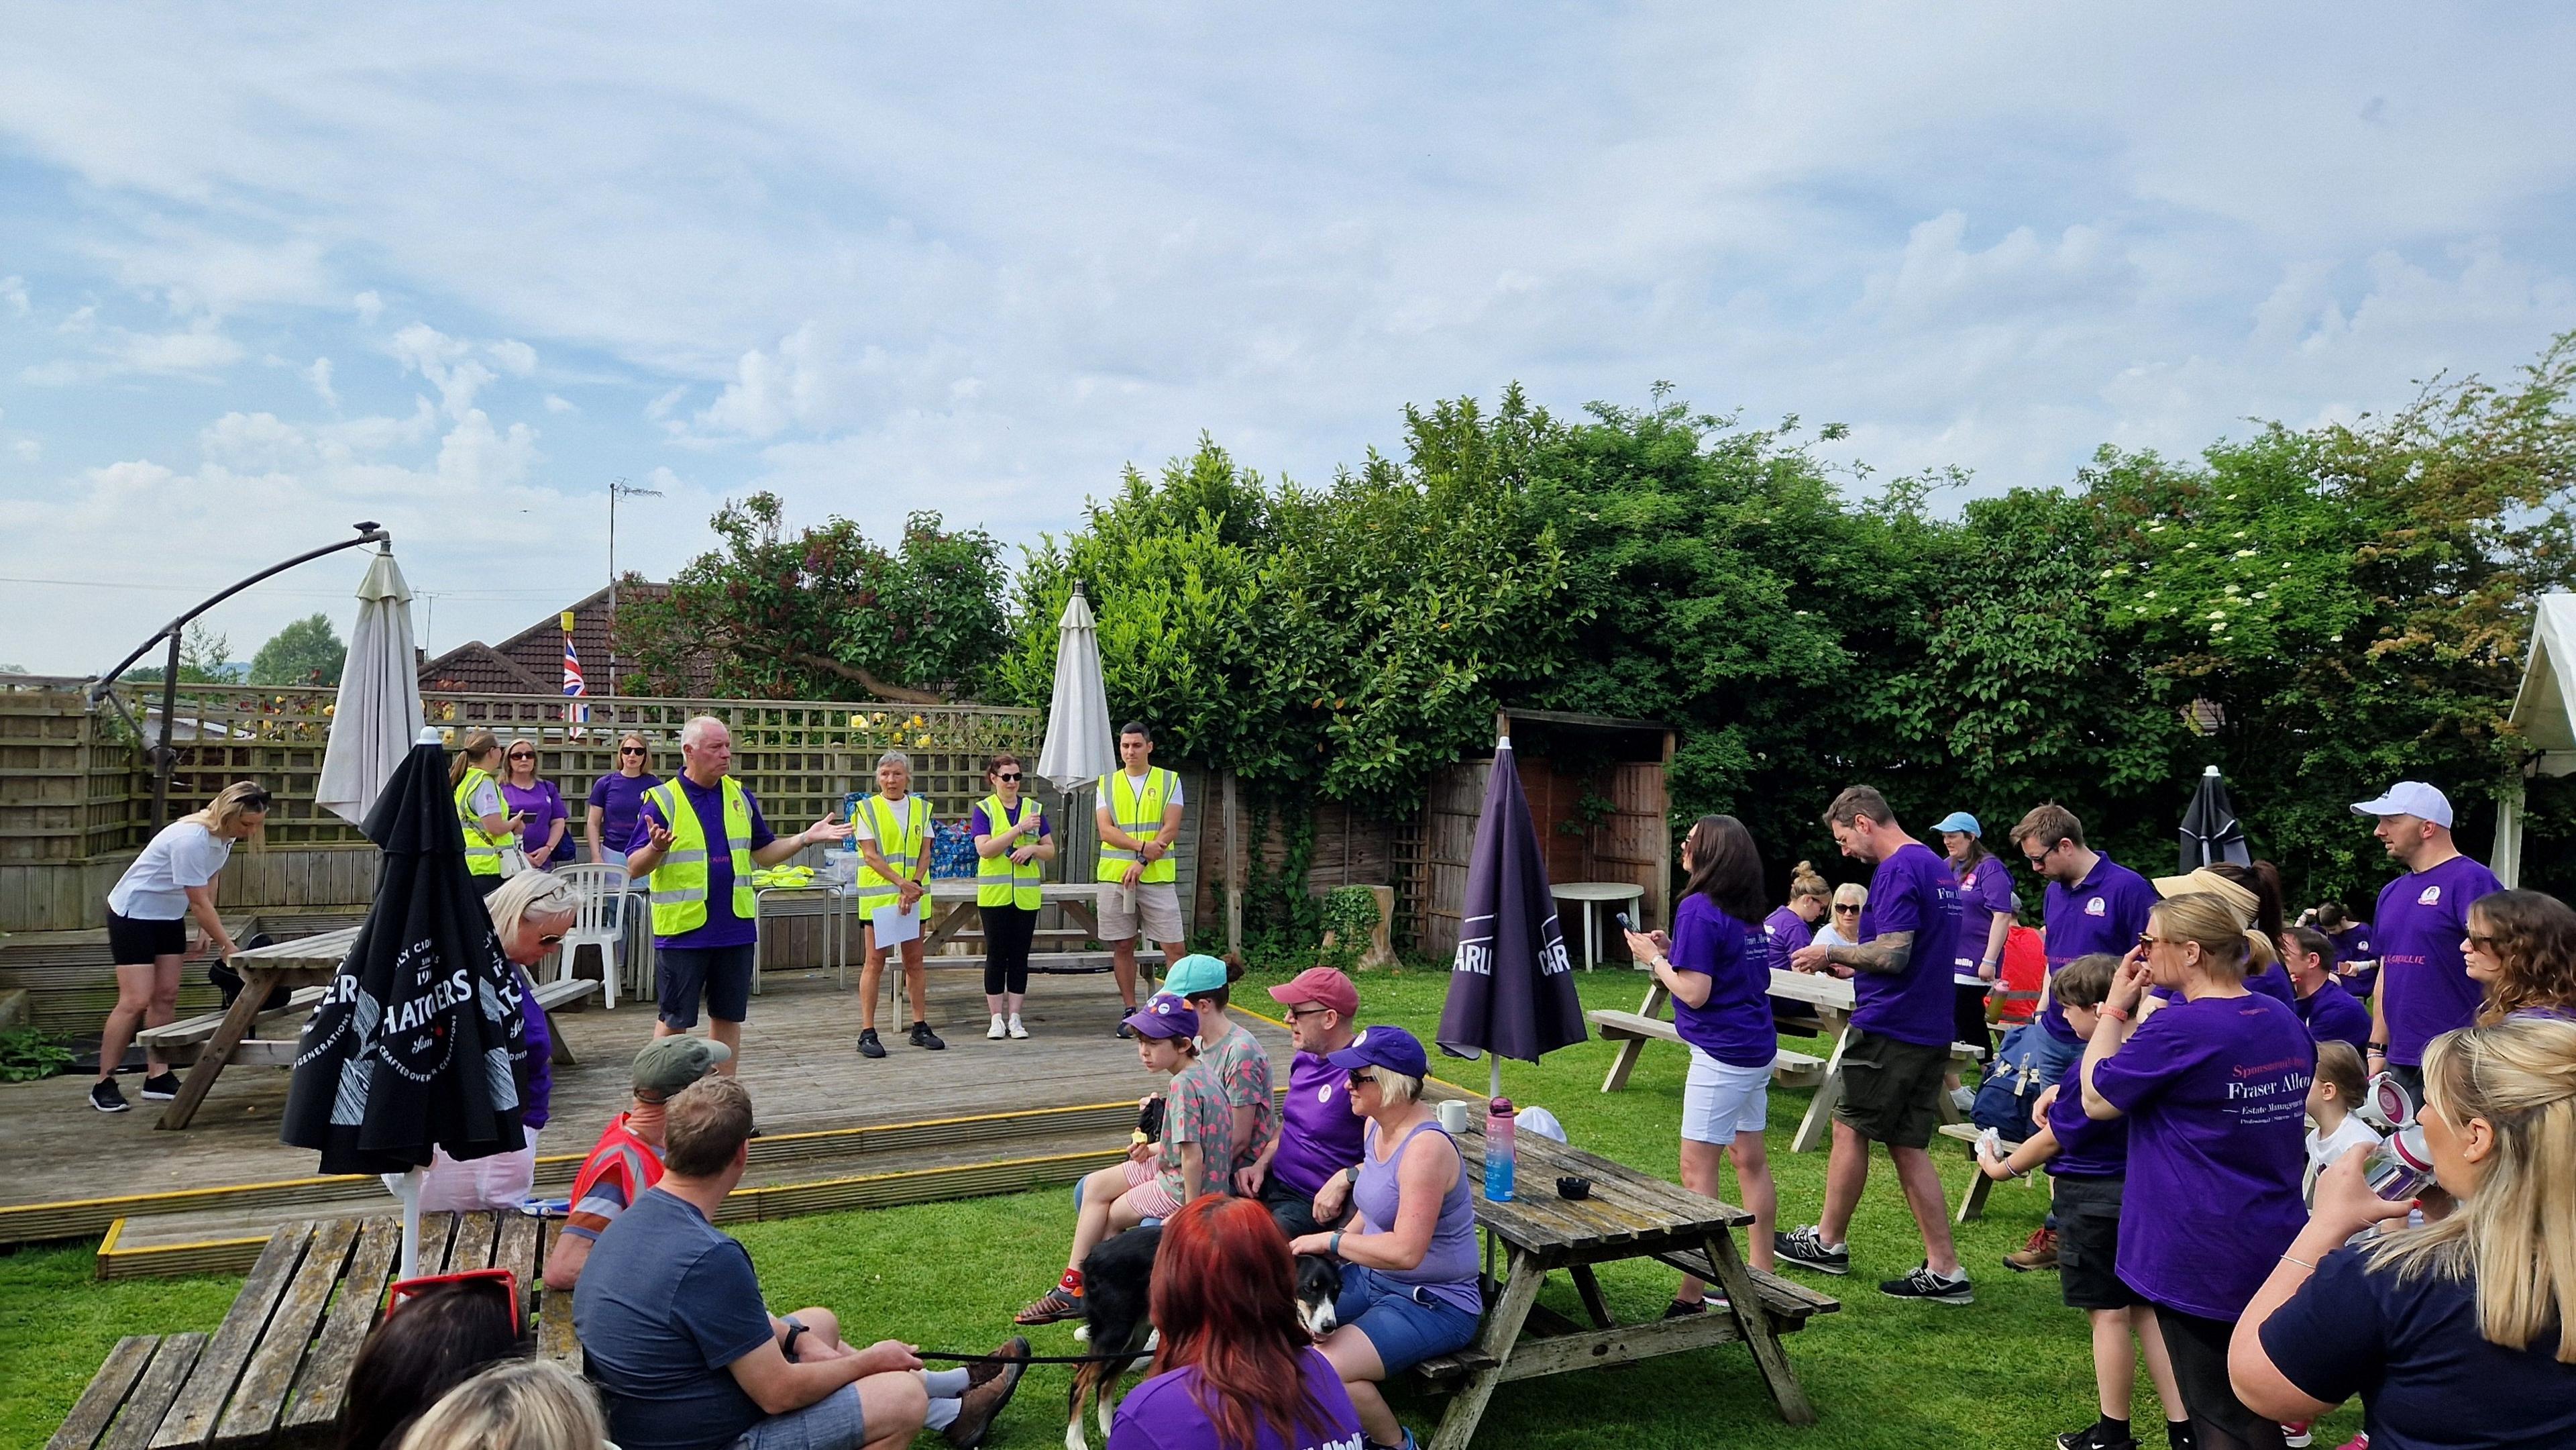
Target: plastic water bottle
(1499,1153)
(2400,1165)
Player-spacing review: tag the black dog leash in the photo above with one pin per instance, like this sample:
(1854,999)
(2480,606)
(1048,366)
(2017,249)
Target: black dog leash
(1029,1358)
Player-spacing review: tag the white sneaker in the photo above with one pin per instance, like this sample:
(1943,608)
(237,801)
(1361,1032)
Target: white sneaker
(995,1032)
(1016,1029)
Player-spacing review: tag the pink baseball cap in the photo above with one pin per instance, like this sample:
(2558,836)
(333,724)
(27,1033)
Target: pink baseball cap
(1320,984)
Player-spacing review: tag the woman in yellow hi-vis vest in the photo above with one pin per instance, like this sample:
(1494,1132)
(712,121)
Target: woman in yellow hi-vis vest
(1139,816)
(705,920)
(1012,843)
(490,826)
(892,831)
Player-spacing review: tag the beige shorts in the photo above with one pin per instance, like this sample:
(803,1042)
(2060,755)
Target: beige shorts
(1155,906)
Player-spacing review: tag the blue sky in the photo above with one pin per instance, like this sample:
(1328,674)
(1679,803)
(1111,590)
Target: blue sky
(455,268)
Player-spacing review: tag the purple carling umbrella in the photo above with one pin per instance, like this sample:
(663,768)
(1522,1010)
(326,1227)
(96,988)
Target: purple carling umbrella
(1511,988)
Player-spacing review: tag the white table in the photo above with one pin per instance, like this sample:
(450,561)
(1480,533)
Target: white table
(1592,894)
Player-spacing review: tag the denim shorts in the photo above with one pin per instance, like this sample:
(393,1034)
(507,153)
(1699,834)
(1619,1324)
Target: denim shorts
(1402,1326)
(830,1423)
(723,974)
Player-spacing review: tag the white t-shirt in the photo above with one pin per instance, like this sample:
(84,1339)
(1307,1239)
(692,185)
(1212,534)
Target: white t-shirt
(486,801)
(1136,784)
(2324,1149)
(155,887)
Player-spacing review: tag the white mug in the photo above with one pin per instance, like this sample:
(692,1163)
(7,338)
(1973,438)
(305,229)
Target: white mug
(1453,1116)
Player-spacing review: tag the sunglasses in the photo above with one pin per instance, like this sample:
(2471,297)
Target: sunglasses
(1295,1013)
(1846,911)
(1009,775)
(630,750)
(523,755)
(1359,1079)
(554,940)
(501,1279)
(2150,941)
(2482,943)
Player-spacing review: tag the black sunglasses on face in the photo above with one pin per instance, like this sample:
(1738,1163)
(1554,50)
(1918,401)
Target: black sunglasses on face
(630,750)
(1296,1012)
(554,940)
(1846,911)
(1010,775)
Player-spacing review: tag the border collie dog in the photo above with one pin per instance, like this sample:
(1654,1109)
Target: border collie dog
(1117,1297)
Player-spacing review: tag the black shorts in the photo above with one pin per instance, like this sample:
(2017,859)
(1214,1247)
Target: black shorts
(1294,1212)
(723,974)
(2198,1347)
(2088,1244)
(135,941)
(1892,1089)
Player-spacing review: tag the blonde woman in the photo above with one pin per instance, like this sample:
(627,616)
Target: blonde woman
(1842,929)
(617,798)
(2453,1333)
(486,819)
(530,914)
(147,930)
(2213,1085)
(518,1404)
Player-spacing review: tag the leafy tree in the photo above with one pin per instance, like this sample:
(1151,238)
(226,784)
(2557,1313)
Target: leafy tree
(810,614)
(203,656)
(306,652)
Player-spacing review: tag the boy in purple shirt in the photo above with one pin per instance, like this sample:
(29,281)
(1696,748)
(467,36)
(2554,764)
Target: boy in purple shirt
(2424,985)
(1895,1049)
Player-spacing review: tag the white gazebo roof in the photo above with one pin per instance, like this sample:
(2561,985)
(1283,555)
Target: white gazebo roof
(2545,710)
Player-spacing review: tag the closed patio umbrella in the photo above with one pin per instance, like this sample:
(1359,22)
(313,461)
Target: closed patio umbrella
(420,1044)
(378,710)
(2210,831)
(1080,746)
(1511,986)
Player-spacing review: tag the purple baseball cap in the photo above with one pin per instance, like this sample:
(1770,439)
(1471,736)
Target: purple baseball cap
(1166,1016)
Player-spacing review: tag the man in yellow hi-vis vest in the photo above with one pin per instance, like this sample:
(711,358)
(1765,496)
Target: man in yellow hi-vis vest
(892,831)
(1139,816)
(698,838)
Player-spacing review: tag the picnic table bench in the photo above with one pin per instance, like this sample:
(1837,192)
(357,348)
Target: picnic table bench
(1831,997)
(305,967)
(1629,1215)
(274,1372)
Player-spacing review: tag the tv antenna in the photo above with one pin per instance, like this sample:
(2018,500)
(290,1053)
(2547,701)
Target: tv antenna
(617,488)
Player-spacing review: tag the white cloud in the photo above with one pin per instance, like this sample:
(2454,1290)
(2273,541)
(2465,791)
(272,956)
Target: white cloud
(516,358)
(446,362)
(318,377)
(198,351)
(557,403)
(369,306)
(27,449)
(13,295)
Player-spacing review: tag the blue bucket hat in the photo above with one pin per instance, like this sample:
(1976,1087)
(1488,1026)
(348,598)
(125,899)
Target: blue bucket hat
(1390,1047)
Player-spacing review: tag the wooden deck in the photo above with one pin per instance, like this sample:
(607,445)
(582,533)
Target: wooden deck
(75,1172)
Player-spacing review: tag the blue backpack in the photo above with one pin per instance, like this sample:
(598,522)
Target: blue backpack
(2013,1083)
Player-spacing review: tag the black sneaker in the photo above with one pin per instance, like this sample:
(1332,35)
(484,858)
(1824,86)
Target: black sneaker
(162,1088)
(868,1044)
(2094,1437)
(1124,1030)
(104,1097)
(1924,1284)
(1806,1248)
(922,1036)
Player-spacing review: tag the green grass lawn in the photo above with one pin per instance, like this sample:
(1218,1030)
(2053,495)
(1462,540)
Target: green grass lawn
(2010,1370)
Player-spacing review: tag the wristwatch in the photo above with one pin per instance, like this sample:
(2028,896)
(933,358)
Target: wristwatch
(795,1331)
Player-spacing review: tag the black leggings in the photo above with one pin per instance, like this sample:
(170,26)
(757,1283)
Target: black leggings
(1007,930)
(2219,1420)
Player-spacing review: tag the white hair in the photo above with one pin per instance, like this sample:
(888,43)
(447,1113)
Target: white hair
(895,757)
(531,895)
(695,732)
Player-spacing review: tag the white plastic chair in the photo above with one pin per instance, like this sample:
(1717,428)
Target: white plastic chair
(602,922)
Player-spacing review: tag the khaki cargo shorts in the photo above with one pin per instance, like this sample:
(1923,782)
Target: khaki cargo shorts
(1154,906)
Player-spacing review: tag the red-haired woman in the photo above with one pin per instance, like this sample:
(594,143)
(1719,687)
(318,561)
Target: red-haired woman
(1236,1371)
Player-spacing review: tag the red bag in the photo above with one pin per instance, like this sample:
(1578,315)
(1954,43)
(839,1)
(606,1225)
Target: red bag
(2025,969)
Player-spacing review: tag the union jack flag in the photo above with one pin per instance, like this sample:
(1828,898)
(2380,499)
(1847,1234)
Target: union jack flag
(572,684)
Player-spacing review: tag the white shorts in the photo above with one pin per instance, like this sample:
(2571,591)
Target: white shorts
(1155,906)
(1720,1100)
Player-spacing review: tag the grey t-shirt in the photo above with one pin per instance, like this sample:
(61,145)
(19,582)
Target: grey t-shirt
(664,1304)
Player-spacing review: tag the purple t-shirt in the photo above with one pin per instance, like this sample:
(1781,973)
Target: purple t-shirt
(1911,891)
(541,1054)
(2274,982)
(1783,932)
(1985,892)
(2426,988)
(981,824)
(1734,1025)
(544,805)
(2086,1147)
(2216,1095)
(2104,912)
(1163,1413)
(722,928)
(2333,1015)
(619,799)
(2353,944)
(1321,1135)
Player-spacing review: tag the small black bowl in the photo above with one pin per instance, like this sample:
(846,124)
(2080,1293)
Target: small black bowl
(1573,1187)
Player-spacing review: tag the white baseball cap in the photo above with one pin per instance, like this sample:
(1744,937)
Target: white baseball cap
(2409,798)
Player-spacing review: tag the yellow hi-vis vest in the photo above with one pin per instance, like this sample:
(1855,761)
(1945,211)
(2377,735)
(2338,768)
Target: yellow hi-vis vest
(1139,812)
(999,880)
(903,833)
(680,881)
(482,852)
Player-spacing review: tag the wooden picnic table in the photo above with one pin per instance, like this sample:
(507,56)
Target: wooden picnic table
(304,963)
(274,1372)
(1629,1215)
(1832,999)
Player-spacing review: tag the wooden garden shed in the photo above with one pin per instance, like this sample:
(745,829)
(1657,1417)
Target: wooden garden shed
(1596,789)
